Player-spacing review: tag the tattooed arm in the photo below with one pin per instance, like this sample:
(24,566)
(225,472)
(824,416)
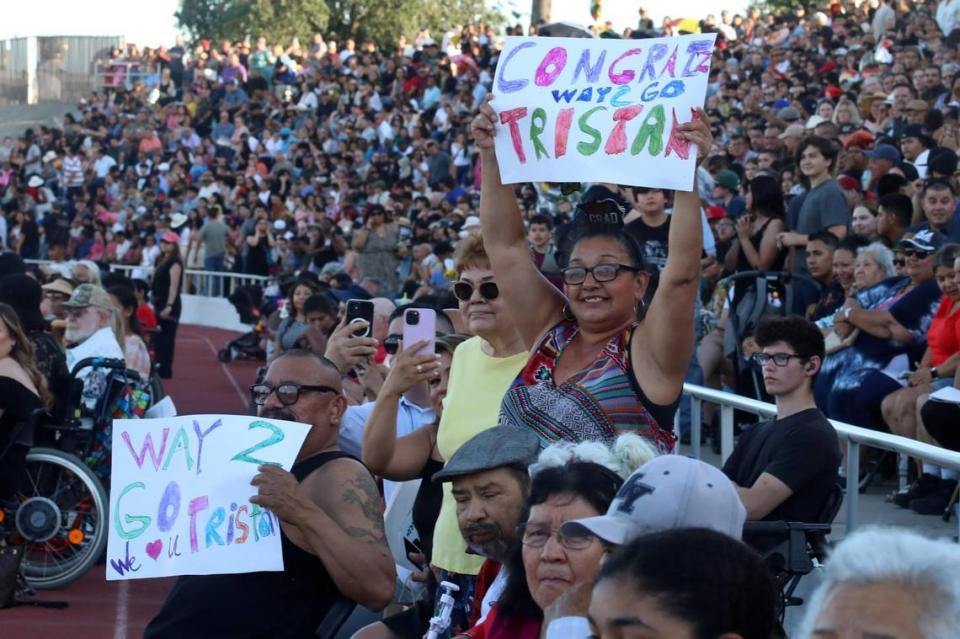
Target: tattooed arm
(344,528)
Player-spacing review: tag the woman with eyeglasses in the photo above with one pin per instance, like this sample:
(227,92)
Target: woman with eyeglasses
(892,319)
(601,362)
(547,563)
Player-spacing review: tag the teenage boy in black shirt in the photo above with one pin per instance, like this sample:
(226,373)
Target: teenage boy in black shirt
(785,469)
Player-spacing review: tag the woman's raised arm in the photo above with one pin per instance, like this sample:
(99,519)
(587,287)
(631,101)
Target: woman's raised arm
(504,239)
(662,354)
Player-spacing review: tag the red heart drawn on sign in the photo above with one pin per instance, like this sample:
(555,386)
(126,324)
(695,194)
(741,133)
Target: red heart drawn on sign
(154,548)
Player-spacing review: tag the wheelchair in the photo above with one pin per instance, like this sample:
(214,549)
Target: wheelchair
(60,513)
(792,550)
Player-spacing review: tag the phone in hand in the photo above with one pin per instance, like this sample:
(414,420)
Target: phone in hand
(411,547)
(358,310)
(420,324)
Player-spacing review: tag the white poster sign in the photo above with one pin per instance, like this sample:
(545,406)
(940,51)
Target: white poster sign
(180,495)
(598,110)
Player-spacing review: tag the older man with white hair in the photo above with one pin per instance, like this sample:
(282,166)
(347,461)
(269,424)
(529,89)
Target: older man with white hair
(884,582)
(91,332)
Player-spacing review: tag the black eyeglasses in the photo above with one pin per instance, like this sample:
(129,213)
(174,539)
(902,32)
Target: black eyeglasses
(779,359)
(920,255)
(464,290)
(288,392)
(392,343)
(601,272)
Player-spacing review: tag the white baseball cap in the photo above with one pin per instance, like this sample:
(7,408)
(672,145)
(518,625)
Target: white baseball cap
(670,491)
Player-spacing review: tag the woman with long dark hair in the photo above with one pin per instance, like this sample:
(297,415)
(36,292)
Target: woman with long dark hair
(165,291)
(23,390)
(755,248)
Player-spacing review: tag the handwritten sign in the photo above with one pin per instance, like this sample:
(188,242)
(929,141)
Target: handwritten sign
(180,495)
(596,110)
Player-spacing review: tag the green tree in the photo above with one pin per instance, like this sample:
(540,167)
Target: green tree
(213,19)
(382,21)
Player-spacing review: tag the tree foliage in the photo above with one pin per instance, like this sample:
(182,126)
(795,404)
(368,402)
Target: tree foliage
(382,21)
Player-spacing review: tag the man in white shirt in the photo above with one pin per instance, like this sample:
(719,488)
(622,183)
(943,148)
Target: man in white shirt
(89,333)
(103,162)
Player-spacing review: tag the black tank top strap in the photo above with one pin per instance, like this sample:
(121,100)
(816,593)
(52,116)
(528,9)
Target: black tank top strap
(302,469)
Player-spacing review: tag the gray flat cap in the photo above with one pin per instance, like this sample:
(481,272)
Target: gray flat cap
(493,448)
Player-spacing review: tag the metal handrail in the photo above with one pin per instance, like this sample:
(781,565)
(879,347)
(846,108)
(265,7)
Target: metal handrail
(207,282)
(855,437)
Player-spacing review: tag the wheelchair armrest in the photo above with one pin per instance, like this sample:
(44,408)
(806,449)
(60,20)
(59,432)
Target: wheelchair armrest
(796,544)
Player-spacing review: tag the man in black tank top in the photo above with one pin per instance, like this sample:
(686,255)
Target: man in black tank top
(331,522)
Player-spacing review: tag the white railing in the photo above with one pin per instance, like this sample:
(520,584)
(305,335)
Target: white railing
(854,436)
(204,281)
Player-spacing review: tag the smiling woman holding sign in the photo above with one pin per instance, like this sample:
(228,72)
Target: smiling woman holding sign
(601,363)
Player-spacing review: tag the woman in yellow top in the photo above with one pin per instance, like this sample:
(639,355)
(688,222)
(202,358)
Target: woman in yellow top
(483,368)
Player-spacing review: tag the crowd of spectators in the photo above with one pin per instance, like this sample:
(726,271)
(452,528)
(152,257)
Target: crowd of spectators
(827,152)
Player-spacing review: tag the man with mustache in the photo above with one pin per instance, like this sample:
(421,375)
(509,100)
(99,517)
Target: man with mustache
(490,485)
(331,525)
(90,333)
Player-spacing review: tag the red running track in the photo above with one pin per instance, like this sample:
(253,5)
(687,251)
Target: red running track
(121,609)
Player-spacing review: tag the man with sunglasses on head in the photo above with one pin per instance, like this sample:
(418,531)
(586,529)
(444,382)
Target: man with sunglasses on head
(786,469)
(331,523)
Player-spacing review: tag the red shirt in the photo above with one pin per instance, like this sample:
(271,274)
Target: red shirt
(147,317)
(943,336)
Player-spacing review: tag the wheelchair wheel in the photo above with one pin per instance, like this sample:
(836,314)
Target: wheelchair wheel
(61,518)
(224,355)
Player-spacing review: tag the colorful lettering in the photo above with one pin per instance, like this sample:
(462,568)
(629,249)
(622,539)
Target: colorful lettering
(254,514)
(509,86)
(561,132)
(617,142)
(169,501)
(602,93)
(172,550)
(671,64)
(142,520)
(673,89)
(538,122)
(550,67)
(589,148)
(125,565)
(196,505)
(275,438)
(615,100)
(650,133)
(657,51)
(625,76)
(201,434)
(242,526)
(586,95)
(146,448)
(698,49)
(592,73)
(510,118)
(567,95)
(180,443)
(676,143)
(211,535)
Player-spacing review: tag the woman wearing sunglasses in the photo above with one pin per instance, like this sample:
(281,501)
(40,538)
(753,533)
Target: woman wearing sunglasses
(481,372)
(892,319)
(601,363)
